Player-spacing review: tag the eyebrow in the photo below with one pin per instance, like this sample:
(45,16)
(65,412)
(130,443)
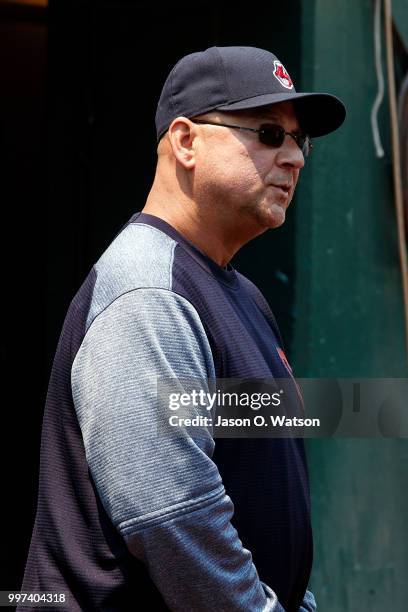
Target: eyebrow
(272,118)
(267,117)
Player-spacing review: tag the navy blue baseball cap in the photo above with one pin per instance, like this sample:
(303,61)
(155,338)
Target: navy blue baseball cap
(236,78)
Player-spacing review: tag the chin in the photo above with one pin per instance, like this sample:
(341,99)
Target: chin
(273,216)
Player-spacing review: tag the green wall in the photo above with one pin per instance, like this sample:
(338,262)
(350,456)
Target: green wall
(349,317)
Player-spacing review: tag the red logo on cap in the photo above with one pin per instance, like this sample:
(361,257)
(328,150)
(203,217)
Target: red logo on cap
(282,75)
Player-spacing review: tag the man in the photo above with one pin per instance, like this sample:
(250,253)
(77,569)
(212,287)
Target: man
(128,519)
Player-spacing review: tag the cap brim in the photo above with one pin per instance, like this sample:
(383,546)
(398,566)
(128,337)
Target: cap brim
(318,113)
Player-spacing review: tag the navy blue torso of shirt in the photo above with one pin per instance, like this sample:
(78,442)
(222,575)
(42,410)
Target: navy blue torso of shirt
(75,543)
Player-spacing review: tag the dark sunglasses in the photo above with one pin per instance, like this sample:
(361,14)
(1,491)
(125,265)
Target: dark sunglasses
(270,134)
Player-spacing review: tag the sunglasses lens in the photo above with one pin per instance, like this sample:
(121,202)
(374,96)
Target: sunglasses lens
(271,135)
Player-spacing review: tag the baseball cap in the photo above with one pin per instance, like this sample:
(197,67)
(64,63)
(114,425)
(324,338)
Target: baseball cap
(236,78)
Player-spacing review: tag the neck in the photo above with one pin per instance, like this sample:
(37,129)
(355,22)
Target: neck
(201,225)
(195,228)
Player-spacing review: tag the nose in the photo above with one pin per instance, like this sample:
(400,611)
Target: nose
(289,154)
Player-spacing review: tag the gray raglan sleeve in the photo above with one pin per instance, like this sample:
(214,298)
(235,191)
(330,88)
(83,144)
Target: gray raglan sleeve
(164,494)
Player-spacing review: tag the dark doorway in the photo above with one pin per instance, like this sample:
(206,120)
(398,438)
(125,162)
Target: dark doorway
(78,175)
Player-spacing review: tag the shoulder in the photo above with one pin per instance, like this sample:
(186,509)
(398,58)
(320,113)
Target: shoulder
(140,257)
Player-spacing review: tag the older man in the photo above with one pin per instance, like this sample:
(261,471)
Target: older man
(128,519)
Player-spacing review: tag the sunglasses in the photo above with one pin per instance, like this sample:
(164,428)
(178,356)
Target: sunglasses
(270,134)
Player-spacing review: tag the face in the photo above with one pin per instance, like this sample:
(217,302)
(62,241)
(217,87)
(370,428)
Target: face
(247,181)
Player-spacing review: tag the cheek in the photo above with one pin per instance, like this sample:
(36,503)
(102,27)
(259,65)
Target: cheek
(232,173)
(266,167)
(248,173)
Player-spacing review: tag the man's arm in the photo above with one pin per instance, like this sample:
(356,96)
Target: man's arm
(308,603)
(164,494)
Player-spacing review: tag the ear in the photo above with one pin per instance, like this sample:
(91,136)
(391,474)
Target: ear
(182,134)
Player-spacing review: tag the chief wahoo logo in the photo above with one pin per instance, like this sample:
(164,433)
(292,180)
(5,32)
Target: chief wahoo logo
(282,75)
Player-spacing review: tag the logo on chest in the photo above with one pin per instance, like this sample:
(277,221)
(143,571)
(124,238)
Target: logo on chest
(284,360)
(290,371)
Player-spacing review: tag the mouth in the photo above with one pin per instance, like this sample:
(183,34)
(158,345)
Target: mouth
(283,187)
